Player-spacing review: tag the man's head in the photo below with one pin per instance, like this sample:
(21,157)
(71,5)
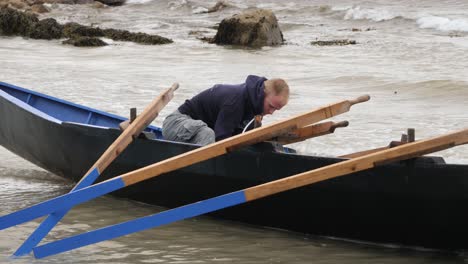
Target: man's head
(276,95)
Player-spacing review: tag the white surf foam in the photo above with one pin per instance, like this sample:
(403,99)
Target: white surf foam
(136,2)
(376,15)
(443,23)
(440,23)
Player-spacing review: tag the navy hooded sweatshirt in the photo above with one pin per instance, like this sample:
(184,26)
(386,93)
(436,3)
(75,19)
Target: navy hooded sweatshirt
(227,108)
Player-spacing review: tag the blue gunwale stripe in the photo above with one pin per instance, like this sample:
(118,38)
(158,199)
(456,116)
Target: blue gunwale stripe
(140,224)
(65,201)
(8,86)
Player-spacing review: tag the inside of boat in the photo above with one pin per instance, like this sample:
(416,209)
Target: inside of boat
(59,111)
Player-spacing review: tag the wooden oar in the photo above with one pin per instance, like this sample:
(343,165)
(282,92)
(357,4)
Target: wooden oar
(310,131)
(369,151)
(133,130)
(405,138)
(406,151)
(177,162)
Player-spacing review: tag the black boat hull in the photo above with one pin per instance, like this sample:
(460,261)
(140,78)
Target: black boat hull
(415,203)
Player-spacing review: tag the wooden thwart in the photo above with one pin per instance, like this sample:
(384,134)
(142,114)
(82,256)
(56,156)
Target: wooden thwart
(409,150)
(131,131)
(177,162)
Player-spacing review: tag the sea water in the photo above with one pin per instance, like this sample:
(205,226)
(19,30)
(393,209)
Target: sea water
(410,56)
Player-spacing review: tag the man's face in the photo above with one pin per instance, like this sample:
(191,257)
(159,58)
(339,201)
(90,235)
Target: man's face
(273,103)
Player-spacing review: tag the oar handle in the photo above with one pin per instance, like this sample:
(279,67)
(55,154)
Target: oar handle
(360,99)
(310,131)
(339,124)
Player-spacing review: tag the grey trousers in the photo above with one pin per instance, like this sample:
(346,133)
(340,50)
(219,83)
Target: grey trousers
(180,127)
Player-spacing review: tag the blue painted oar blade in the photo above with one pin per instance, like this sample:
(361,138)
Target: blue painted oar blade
(87,179)
(60,203)
(42,231)
(140,224)
(52,220)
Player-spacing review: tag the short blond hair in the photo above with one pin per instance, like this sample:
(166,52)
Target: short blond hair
(277,86)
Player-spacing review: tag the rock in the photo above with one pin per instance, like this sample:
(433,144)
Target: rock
(112,2)
(18,4)
(74,29)
(37,2)
(254,28)
(200,35)
(39,9)
(206,39)
(359,30)
(36,6)
(46,29)
(142,38)
(217,7)
(84,2)
(13,22)
(97,4)
(197,32)
(455,35)
(64,2)
(80,41)
(338,42)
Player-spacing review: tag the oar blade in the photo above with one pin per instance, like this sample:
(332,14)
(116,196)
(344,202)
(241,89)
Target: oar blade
(41,231)
(140,224)
(59,203)
(44,228)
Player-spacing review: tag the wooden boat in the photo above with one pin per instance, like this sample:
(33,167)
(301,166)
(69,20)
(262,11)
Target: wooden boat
(412,203)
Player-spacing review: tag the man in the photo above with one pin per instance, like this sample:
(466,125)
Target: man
(225,110)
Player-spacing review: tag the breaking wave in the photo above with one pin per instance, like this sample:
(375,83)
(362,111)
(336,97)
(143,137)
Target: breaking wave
(439,23)
(370,14)
(443,23)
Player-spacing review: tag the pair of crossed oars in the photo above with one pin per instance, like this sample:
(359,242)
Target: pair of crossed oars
(81,193)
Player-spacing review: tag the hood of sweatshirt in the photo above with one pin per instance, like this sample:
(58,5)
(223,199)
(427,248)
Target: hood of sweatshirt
(255,91)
